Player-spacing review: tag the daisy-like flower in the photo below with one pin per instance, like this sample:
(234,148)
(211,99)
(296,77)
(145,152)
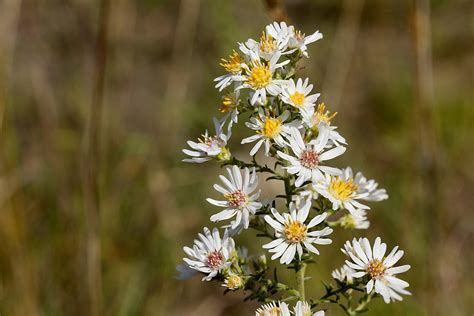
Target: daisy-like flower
(302,308)
(299,41)
(273,309)
(210,254)
(369,261)
(342,192)
(259,76)
(366,188)
(239,200)
(355,220)
(297,94)
(281,33)
(210,147)
(307,158)
(267,129)
(292,233)
(322,117)
(234,66)
(343,274)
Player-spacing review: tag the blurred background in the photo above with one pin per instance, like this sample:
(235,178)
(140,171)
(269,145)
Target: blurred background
(97,99)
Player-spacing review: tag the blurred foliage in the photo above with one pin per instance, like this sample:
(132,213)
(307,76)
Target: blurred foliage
(159,92)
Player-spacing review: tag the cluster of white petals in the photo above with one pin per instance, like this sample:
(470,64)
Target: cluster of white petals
(300,144)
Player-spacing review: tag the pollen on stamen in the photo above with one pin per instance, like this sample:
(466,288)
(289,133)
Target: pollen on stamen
(376,269)
(297,98)
(236,199)
(309,158)
(259,76)
(271,127)
(214,260)
(341,189)
(295,231)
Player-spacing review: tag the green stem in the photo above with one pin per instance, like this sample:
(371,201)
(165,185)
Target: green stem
(300,279)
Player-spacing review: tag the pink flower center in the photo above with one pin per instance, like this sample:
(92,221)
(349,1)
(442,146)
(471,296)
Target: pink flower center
(214,260)
(309,158)
(236,198)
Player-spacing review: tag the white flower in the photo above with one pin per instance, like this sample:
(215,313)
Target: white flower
(302,308)
(322,119)
(234,67)
(210,254)
(299,41)
(210,147)
(281,33)
(366,188)
(259,77)
(369,261)
(307,158)
(292,233)
(240,202)
(268,129)
(297,95)
(355,220)
(343,274)
(341,191)
(273,309)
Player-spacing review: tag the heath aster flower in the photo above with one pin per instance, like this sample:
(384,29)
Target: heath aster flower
(210,254)
(307,157)
(341,191)
(297,94)
(368,261)
(239,200)
(210,147)
(292,233)
(259,76)
(268,129)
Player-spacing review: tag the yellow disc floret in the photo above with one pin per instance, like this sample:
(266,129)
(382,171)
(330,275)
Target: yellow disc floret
(342,190)
(271,127)
(233,65)
(233,282)
(259,75)
(376,268)
(295,231)
(297,98)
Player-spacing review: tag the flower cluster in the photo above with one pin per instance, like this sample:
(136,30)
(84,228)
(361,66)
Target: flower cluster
(296,134)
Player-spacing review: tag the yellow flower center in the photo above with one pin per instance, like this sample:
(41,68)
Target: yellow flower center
(233,281)
(342,190)
(260,76)
(236,199)
(321,115)
(295,231)
(233,65)
(376,268)
(271,127)
(267,44)
(297,98)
